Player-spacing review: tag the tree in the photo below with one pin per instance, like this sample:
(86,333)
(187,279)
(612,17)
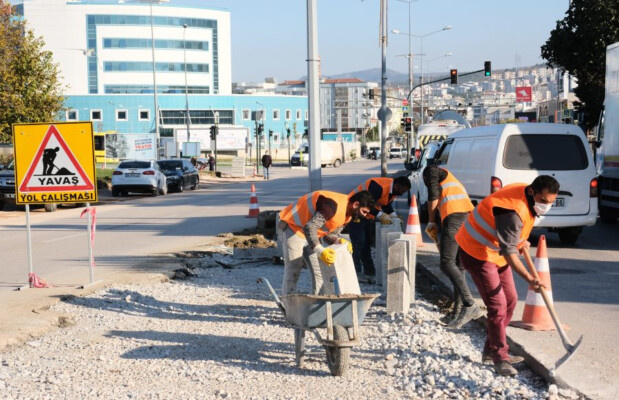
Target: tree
(30,90)
(578,45)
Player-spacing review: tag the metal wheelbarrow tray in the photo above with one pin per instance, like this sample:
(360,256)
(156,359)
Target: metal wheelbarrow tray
(340,315)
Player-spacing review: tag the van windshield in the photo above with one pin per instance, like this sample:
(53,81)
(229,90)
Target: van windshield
(545,152)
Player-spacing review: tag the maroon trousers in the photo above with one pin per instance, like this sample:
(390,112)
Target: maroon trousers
(497,289)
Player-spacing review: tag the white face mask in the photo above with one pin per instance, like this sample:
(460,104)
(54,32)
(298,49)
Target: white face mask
(541,208)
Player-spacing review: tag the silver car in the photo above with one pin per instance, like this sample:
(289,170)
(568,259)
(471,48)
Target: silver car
(138,176)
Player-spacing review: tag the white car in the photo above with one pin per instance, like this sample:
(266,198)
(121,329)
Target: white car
(138,176)
(396,152)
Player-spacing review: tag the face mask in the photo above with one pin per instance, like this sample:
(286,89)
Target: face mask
(541,208)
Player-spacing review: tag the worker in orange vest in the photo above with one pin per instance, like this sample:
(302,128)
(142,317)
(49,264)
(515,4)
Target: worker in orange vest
(490,240)
(320,215)
(449,197)
(361,230)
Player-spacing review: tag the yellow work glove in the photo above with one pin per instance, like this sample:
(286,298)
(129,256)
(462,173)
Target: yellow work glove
(348,245)
(385,219)
(328,256)
(432,231)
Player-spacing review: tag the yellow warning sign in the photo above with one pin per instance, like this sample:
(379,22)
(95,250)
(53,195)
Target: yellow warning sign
(54,163)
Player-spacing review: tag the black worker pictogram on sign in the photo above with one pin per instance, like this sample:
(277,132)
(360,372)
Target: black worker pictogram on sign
(54,163)
(55,167)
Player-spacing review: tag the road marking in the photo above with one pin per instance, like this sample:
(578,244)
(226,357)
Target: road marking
(63,238)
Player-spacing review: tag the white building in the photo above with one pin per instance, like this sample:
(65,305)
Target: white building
(106,47)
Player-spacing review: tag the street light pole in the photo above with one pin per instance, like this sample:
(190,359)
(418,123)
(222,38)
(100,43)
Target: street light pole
(187,118)
(152,46)
(445,28)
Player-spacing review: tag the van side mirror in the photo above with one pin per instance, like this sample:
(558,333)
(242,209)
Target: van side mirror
(411,166)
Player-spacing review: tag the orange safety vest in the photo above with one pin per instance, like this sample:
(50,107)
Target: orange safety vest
(453,198)
(298,214)
(478,237)
(385,196)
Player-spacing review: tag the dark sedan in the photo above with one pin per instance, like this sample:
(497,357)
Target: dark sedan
(180,174)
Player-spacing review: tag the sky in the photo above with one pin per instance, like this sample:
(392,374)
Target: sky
(269,37)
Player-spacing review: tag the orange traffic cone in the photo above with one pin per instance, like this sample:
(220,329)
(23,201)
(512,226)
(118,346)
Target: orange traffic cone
(255,170)
(254,210)
(536,316)
(412,225)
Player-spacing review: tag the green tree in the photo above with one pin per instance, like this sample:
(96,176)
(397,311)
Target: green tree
(578,45)
(30,90)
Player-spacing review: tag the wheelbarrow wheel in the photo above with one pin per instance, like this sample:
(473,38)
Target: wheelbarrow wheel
(338,357)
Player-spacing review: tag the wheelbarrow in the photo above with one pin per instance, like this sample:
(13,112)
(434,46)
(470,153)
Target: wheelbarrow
(341,315)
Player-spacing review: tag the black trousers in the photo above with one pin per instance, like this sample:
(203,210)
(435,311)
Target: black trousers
(362,238)
(449,253)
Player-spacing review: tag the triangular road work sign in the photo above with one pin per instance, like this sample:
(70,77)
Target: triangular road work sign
(54,168)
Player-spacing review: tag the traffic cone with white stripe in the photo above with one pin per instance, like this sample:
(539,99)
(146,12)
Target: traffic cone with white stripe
(536,316)
(255,170)
(413,227)
(254,210)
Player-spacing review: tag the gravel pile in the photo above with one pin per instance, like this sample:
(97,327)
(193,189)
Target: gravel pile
(219,334)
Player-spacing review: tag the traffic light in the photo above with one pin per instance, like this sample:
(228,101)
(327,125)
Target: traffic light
(454,76)
(287,132)
(270,133)
(407,124)
(213,132)
(371,94)
(260,129)
(487,68)
(403,123)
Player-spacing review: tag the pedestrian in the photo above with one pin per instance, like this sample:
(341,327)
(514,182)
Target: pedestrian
(194,161)
(266,164)
(448,196)
(490,240)
(300,230)
(211,162)
(362,230)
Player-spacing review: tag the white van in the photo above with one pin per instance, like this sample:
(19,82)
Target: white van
(487,158)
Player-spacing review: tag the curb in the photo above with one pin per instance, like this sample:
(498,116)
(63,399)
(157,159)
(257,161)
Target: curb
(441,281)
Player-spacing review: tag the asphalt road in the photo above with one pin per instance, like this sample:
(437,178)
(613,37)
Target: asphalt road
(133,233)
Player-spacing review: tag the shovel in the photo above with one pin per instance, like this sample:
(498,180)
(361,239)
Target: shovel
(571,348)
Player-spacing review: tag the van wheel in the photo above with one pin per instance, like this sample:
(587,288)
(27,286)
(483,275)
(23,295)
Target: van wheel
(323,165)
(51,207)
(608,215)
(115,192)
(569,235)
(1,205)
(337,163)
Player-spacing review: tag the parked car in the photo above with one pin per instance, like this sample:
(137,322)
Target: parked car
(397,152)
(488,158)
(7,189)
(374,153)
(138,176)
(418,188)
(179,174)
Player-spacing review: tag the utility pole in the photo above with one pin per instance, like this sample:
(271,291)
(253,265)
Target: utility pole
(383,97)
(313,140)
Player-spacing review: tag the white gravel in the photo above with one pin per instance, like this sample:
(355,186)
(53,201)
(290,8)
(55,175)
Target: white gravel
(220,335)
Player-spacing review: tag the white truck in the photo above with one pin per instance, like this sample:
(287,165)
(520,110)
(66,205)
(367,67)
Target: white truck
(607,155)
(331,153)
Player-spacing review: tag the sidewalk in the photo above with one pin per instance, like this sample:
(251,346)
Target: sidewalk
(540,349)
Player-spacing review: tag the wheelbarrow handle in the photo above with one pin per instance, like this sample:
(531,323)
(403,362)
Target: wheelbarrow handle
(551,309)
(275,296)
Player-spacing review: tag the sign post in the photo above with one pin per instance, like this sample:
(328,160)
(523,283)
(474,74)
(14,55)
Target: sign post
(55,163)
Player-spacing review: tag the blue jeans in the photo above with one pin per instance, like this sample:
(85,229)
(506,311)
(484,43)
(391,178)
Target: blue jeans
(266,172)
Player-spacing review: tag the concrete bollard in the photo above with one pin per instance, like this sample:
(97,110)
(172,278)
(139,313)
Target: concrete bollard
(382,245)
(343,270)
(398,285)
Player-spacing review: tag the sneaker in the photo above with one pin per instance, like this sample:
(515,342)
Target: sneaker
(504,368)
(486,358)
(467,314)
